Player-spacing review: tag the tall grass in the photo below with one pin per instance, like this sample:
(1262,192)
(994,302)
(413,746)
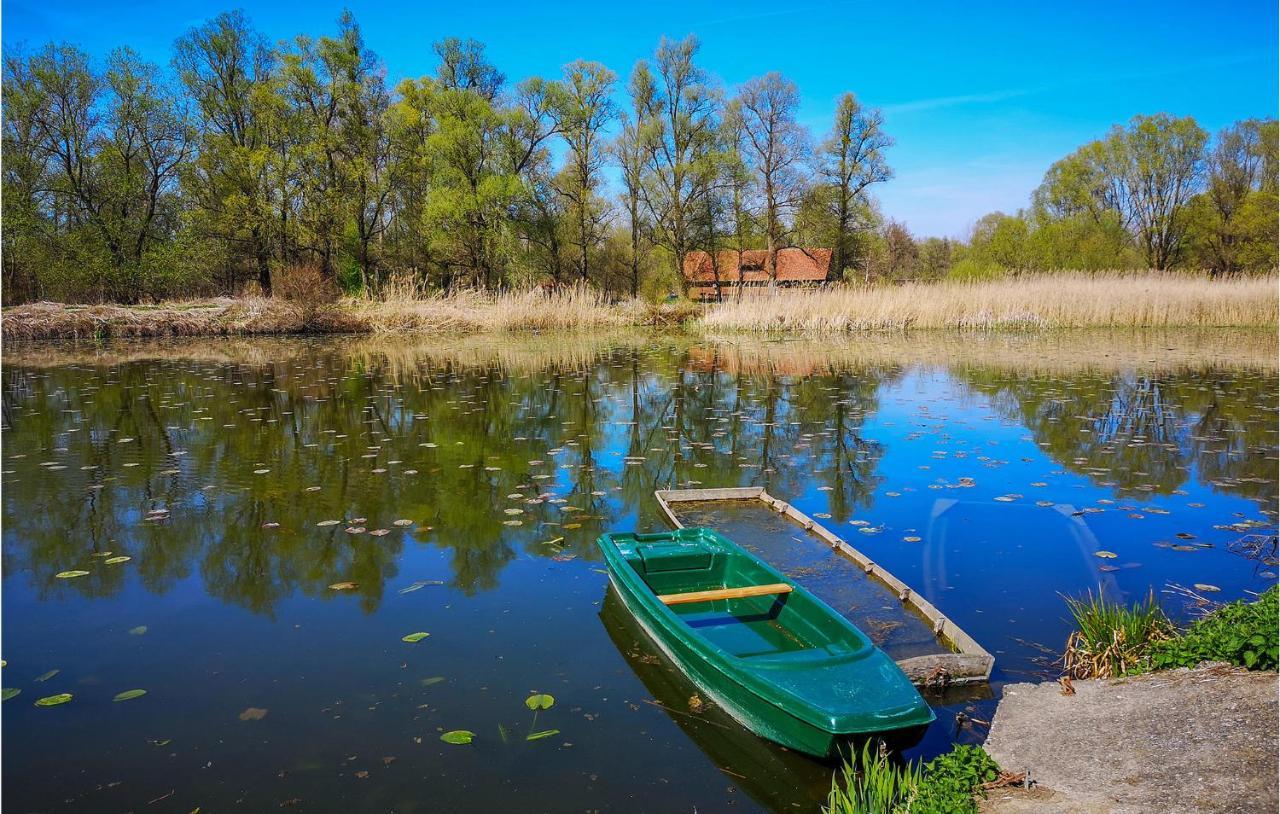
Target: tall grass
(951,783)
(1112,639)
(401,307)
(876,785)
(1061,300)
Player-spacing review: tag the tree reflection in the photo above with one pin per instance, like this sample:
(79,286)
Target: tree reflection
(222,469)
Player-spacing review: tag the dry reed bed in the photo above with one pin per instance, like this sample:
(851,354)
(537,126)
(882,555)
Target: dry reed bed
(1030,303)
(573,309)
(1063,300)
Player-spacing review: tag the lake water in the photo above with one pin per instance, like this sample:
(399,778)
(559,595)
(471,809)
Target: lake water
(290,509)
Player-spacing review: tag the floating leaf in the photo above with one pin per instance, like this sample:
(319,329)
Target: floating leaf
(427,682)
(253,714)
(117,560)
(458,737)
(1207,588)
(9,692)
(414,638)
(1106,555)
(140,630)
(53,700)
(159,741)
(546,733)
(323,523)
(342,586)
(70,574)
(48,675)
(539,701)
(129,695)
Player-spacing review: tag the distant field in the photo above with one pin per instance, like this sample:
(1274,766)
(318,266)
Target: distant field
(1025,304)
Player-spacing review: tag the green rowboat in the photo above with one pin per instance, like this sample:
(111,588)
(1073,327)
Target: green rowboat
(773,656)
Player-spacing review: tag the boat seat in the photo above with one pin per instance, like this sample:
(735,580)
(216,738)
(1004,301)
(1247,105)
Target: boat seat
(662,557)
(772,589)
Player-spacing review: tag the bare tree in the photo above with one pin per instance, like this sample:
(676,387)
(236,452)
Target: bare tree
(774,147)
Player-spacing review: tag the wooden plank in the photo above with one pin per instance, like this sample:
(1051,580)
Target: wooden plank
(725,593)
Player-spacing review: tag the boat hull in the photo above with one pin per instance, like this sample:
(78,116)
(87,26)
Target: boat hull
(726,681)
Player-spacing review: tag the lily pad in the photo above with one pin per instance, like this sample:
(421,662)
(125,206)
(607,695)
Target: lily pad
(70,574)
(546,733)
(117,560)
(1207,588)
(342,586)
(53,700)
(48,675)
(539,701)
(9,692)
(140,630)
(129,695)
(414,638)
(1106,555)
(458,737)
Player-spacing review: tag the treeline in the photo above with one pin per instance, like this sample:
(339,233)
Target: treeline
(249,160)
(1158,193)
(249,166)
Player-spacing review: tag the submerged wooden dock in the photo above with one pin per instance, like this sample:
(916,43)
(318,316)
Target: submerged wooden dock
(966,661)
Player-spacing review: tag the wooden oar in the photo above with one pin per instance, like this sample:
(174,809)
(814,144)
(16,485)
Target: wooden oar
(724,593)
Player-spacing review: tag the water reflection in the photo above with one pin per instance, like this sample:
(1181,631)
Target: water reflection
(289,506)
(223,468)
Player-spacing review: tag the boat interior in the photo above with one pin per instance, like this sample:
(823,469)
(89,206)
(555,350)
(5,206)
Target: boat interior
(736,603)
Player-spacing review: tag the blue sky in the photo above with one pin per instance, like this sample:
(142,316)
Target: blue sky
(980,100)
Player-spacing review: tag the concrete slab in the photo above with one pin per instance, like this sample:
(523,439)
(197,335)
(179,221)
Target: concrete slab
(1202,740)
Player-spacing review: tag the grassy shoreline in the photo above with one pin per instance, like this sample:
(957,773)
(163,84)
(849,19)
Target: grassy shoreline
(1027,304)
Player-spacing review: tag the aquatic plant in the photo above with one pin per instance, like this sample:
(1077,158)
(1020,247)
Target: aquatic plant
(1241,633)
(874,785)
(1112,639)
(949,784)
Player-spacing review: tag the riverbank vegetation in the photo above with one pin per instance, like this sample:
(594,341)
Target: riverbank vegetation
(949,784)
(243,159)
(1113,639)
(1020,305)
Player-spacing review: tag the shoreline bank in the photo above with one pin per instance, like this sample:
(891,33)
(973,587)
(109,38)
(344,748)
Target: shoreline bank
(1022,305)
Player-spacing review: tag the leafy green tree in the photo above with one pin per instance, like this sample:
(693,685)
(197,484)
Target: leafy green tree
(582,109)
(1235,216)
(226,70)
(851,160)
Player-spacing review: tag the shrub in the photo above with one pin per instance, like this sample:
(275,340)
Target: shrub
(969,270)
(1242,633)
(304,284)
(951,781)
(1112,639)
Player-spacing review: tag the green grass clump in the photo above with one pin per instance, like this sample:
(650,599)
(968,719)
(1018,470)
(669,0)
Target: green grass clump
(1111,638)
(1241,633)
(948,784)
